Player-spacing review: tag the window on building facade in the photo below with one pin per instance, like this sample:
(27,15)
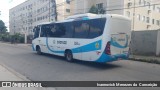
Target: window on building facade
(99,6)
(129,4)
(153,20)
(68,1)
(143,18)
(139,17)
(154,7)
(68,10)
(148,27)
(158,9)
(149,11)
(140,2)
(158,22)
(148,4)
(148,20)
(128,14)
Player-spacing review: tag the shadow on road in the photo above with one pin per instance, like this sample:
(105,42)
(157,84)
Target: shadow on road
(96,65)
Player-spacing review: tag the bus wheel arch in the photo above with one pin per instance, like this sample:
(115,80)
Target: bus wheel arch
(68,55)
(38,49)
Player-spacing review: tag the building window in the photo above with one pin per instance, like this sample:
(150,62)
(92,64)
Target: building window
(129,4)
(143,18)
(158,9)
(153,20)
(99,6)
(128,14)
(154,7)
(148,20)
(140,2)
(68,10)
(139,17)
(148,4)
(148,27)
(158,22)
(68,1)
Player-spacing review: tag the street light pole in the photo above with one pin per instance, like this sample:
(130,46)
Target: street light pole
(134,14)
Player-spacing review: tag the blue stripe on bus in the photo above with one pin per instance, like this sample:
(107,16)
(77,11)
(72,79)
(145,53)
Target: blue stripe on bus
(92,47)
(108,58)
(86,48)
(89,47)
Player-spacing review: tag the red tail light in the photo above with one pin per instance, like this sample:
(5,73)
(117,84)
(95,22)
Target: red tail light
(108,49)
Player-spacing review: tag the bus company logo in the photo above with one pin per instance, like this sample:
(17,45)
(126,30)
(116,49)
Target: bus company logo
(6,84)
(97,45)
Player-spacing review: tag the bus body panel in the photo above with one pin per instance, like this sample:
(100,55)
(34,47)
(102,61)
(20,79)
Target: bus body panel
(83,49)
(116,31)
(120,36)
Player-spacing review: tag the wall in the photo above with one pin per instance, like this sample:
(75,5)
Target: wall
(158,44)
(144,42)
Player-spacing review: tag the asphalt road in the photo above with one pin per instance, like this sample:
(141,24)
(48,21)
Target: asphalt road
(35,67)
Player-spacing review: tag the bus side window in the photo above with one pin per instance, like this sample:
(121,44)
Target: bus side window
(36,32)
(69,30)
(81,29)
(60,30)
(43,31)
(96,27)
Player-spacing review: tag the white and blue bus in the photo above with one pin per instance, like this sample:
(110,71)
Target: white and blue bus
(97,38)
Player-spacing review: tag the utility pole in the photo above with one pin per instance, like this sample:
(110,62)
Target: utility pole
(55,10)
(134,4)
(49,10)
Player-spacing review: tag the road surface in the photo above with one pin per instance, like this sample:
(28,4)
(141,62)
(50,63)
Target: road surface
(35,67)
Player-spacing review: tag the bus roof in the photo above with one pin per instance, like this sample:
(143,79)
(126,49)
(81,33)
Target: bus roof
(87,17)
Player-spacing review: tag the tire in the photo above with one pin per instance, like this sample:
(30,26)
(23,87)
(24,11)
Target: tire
(69,56)
(39,51)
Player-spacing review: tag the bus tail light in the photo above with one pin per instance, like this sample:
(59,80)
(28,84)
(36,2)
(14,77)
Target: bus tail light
(108,49)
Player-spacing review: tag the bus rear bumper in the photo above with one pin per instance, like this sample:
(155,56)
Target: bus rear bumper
(109,58)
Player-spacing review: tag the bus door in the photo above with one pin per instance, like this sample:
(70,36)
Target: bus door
(42,40)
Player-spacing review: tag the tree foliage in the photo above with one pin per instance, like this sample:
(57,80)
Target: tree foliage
(96,10)
(93,9)
(3,28)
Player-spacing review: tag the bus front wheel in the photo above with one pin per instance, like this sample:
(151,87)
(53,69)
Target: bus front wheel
(38,49)
(69,56)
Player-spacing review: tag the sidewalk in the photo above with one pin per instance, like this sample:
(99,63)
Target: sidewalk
(149,59)
(7,74)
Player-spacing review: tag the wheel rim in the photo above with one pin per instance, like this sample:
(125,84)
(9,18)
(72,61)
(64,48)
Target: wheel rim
(69,56)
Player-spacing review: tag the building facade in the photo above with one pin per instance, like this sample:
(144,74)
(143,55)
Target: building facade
(143,13)
(25,16)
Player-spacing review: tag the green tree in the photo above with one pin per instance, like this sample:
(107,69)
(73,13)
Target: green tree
(3,28)
(93,9)
(96,10)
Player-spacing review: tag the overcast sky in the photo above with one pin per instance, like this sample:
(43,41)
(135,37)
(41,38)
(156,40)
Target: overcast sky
(5,5)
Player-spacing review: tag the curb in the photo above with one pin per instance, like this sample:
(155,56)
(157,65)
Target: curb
(155,61)
(15,73)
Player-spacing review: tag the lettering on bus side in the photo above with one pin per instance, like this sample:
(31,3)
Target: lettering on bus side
(61,42)
(76,43)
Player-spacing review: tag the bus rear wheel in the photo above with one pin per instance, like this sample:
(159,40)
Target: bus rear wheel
(38,49)
(69,56)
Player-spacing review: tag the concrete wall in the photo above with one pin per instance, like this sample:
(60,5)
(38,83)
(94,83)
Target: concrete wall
(158,44)
(144,42)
